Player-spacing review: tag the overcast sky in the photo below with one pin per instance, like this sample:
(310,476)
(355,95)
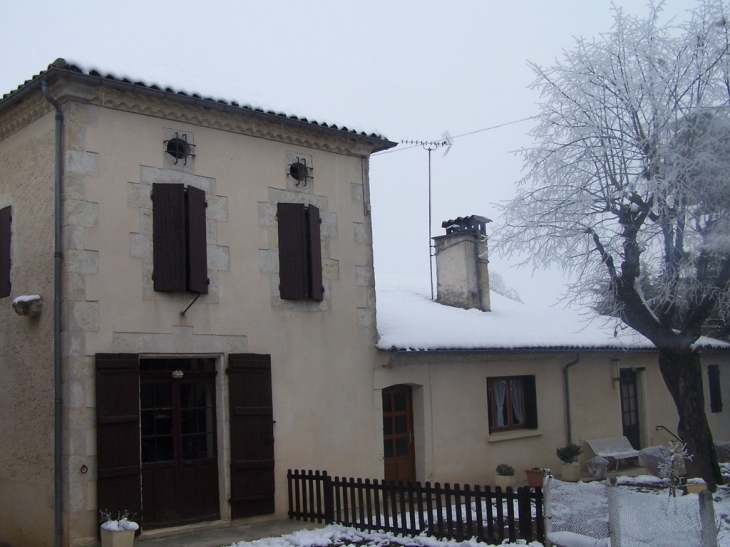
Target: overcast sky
(407,69)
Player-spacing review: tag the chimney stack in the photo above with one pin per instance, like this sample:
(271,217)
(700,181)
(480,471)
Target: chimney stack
(462,274)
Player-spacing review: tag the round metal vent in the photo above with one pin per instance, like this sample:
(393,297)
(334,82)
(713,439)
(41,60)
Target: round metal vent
(177,148)
(298,171)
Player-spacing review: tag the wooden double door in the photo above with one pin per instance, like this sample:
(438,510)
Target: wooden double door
(178,441)
(157,446)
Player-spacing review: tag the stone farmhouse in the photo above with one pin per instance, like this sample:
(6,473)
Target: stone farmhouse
(188,310)
(215,316)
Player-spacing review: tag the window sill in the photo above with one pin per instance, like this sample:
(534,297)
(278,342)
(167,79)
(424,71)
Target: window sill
(512,435)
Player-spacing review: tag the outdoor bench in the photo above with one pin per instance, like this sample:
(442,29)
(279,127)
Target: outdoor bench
(618,448)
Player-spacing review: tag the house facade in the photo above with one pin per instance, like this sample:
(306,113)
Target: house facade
(479,388)
(217,305)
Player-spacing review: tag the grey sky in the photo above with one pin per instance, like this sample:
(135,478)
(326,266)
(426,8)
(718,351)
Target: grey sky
(408,69)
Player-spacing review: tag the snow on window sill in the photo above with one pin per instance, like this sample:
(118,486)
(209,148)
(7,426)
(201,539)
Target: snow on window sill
(511,435)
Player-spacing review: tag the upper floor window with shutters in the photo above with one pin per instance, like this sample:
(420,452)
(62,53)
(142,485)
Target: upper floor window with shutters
(5,225)
(512,403)
(300,252)
(180,251)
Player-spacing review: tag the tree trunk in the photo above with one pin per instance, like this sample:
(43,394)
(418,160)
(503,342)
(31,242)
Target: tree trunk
(682,374)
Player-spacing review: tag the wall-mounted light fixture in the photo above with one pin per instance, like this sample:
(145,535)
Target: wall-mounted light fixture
(28,305)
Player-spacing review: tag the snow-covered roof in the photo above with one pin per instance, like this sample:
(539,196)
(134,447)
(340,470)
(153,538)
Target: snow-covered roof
(408,320)
(73,67)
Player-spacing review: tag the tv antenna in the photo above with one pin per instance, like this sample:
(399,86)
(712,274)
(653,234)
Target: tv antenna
(430,146)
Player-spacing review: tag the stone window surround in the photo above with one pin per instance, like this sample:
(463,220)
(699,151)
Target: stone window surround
(140,243)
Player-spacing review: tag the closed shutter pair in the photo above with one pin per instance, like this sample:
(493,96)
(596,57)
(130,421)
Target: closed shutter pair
(300,252)
(179,241)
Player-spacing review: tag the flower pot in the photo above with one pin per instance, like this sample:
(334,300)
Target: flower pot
(570,472)
(534,477)
(117,538)
(504,481)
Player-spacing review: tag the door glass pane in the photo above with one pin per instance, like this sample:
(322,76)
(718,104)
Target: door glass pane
(146,396)
(163,395)
(399,401)
(401,447)
(401,425)
(386,402)
(197,421)
(388,449)
(163,422)
(190,444)
(156,422)
(387,427)
(164,449)
(188,422)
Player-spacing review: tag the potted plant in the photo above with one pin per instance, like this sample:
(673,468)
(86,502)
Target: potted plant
(570,469)
(117,532)
(505,476)
(535,476)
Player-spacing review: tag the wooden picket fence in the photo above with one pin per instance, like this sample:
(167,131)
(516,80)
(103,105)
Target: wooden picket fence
(453,512)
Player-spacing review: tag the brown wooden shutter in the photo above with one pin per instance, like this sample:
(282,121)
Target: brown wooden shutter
(530,395)
(713,377)
(5,225)
(292,251)
(252,435)
(168,225)
(197,257)
(314,264)
(117,433)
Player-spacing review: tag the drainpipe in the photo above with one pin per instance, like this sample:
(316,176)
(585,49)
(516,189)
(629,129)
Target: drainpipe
(57,262)
(566,383)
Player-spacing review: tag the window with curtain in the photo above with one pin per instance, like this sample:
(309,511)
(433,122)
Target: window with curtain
(512,403)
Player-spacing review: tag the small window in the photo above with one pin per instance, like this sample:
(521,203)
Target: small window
(512,403)
(179,239)
(713,376)
(5,219)
(300,252)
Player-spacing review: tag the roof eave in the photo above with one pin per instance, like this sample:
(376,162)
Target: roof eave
(373,142)
(534,350)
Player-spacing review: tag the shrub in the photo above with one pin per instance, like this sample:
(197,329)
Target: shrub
(505,470)
(569,453)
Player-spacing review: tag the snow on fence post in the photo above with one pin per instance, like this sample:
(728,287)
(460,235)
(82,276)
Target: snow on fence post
(614,526)
(707,519)
(547,485)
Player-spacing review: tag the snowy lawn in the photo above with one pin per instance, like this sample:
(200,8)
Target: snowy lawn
(586,504)
(335,535)
(648,515)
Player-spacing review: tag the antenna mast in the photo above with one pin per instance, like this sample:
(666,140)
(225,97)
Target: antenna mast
(430,146)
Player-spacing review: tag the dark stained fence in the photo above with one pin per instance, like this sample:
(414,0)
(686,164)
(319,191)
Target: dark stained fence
(453,512)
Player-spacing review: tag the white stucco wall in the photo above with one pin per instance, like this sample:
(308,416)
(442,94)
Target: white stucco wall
(322,353)
(26,362)
(452,438)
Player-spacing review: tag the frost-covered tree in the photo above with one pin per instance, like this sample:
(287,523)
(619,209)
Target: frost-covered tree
(628,189)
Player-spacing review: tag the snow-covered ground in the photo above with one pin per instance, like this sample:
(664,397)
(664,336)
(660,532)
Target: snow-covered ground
(335,535)
(657,518)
